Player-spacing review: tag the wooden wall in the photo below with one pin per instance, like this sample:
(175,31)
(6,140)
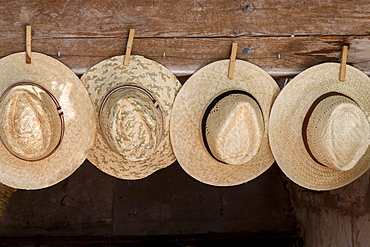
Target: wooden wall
(284,37)
(168,207)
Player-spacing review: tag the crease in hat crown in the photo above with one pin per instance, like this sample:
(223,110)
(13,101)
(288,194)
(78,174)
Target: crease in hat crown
(338,133)
(131,122)
(234,129)
(32,127)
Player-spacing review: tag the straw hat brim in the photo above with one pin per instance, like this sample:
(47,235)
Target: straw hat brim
(78,116)
(190,103)
(158,81)
(289,111)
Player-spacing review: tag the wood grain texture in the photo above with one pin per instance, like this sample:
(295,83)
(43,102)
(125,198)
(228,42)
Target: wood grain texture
(343,213)
(167,203)
(279,56)
(186,35)
(188,18)
(284,37)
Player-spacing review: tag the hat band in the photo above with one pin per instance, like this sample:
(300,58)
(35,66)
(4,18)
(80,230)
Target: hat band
(60,114)
(210,107)
(307,118)
(123,87)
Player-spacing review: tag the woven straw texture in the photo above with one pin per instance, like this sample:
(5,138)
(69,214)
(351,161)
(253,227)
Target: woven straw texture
(338,132)
(161,84)
(287,116)
(30,115)
(5,193)
(190,104)
(79,134)
(131,124)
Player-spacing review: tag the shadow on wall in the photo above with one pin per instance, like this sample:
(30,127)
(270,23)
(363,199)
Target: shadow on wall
(169,207)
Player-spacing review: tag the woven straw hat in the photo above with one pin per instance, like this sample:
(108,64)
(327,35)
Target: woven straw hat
(46,121)
(319,127)
(219,126)
(132,106)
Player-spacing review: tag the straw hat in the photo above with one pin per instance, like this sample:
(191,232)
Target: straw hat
(6,193)
(219,126)
(132,106)
(46,121)
(319,127)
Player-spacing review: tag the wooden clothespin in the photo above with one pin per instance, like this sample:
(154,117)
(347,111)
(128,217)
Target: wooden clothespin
(129,47)
(28,44)
(342,70)
(232,60)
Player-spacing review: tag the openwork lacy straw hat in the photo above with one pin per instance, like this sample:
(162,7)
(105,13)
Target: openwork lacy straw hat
(319,127)
(219,126)
(132,106)
(46,119)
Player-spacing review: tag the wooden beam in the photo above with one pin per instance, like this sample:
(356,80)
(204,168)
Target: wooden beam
(283,238)
(187,18)
(279,56)
(186,35)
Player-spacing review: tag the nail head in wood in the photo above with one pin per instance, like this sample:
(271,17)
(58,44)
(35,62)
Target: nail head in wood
(129,47)
(232,60)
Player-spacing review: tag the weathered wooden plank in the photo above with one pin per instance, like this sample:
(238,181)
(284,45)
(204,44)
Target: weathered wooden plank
(78,205)
(279,56)
(343,213)
(210,239)
(167,203)
(186,18)
(185,35)
(170,202)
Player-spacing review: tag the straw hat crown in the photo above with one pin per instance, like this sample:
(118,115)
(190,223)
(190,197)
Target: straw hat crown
(46,121)
(31,125)
(131,124)
(338,132)
(322,124)
(234,129)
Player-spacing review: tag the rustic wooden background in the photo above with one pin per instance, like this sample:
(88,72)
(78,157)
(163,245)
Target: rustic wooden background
(284,37)
(168,207)
(185,35)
